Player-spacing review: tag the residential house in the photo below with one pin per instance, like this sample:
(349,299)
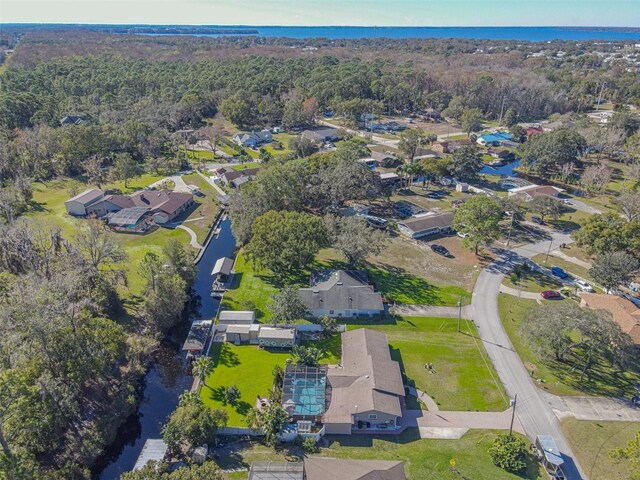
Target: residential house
(73,120)
(425,153)
(366,391)
(494,139)
(369,162)
(503,154)
(622,311)
(109,204)
(324,468)
(253,139)
(165,205)
(321,135)
(78,205)
(389,178)
(529,192)
(236,178)
(431,115)
(340,293)
(531,131)
(450,146)
(384,159)
(429,224)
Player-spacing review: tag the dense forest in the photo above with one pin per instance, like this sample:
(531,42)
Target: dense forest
(71,354)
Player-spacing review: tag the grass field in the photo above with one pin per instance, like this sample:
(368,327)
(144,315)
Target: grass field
(561,378)
(464,378)
(422,459)
(200,219)
(566,265)
(592,441)
(533,281)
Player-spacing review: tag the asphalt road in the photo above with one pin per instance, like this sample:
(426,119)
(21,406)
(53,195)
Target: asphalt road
(535,414)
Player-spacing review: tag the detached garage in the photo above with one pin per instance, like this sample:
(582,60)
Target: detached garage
(430,224)
(77,205)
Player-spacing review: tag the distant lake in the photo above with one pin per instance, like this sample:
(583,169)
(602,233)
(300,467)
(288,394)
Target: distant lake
(533,34)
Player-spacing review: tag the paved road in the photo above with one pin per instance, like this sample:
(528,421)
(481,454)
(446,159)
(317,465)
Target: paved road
(212,183)
(535,414)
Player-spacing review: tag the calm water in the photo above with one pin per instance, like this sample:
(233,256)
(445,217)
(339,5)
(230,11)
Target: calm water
(504,170)
(534,34)
(166,379)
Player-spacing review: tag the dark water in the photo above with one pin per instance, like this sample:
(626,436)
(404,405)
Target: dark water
(504,170)
(533,34)
(166,379)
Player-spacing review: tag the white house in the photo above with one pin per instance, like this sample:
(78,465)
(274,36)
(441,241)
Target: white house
(78,205)
(253,139)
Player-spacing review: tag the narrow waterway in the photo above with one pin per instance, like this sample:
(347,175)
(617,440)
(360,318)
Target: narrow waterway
(166,379)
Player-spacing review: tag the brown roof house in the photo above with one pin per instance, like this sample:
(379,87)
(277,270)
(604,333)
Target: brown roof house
(236,178)
(622,311)
(341,293)
(529,192)
(366,391)
(450,146)
(165,205)
(429,224)
(110,204)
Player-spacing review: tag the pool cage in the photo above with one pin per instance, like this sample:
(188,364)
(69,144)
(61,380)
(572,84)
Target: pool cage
(304,392)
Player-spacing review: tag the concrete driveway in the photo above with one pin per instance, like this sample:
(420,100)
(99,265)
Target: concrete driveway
(597,409)
(535,414)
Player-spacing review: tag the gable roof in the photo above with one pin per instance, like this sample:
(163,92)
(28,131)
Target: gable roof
(537,190)
(368,380)
(318,468)
(622,311)
(320,134)
(121,201)
(429,221)
(341,290)
(88,196)
(256,136)
(223,265)
(231,175)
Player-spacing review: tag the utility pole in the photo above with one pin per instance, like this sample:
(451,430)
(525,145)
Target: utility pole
(513,215)
(548,251)
(513,413)
(459,312)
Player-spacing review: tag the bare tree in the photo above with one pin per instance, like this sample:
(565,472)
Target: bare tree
(596,177)
(629,205)
(94,171)
(95,241)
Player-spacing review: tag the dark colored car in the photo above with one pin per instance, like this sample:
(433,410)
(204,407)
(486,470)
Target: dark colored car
(558,272)
(537,220)
(550,295)
(440,249)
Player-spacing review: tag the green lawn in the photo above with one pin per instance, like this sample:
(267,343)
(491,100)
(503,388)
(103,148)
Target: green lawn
(561,378)
(592,441)
(200,219)
(423,459)
(566,265)
(533,281)
(245,165)
(48,208)
(464,377)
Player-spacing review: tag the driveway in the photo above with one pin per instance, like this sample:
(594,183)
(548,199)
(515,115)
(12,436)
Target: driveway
(431,311)
(176,179)
(535,414)
(598,409)
(584,207)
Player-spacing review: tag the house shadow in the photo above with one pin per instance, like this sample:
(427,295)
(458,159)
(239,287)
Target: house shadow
(411,401)
(408,435)
(395,283)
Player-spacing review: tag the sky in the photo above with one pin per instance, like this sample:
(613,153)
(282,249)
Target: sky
(328,12)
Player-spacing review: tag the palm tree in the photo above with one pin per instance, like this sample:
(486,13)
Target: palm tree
(202,367)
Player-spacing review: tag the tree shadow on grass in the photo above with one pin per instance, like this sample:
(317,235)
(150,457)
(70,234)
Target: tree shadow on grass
(222,354)
(400,286)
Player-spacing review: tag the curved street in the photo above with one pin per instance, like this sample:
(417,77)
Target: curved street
(535,413)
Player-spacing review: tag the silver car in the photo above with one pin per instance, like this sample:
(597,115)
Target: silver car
(584,286)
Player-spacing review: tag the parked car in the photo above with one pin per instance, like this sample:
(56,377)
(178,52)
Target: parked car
(558,272)
(550,295)
(462,235)
(566,201)
(537,220)
(440,249)
(584,286)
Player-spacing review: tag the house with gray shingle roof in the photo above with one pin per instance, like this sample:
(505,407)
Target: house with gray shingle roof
(341,293)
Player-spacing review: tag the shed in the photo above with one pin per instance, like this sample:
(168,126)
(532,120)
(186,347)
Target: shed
(198,335)
(78,205)
(242,317)
(430,224)
(222,269)
(153,450)
(276,337)
(238,333)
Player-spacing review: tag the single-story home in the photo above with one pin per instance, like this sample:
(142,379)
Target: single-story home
(341,293)
(134,219)
(366,391)
(450,146)
(222,269)
(531,131)
(239,317)
(623,312)
(529,192)
(109,204)
(429,224)
(323,468)
(502,153)
(369,162)
(253,139)
(73,119)
(321,135)
(236,178)
(165,205)
(494,139)
(272,337)
(384,159)
(79,204)
(389,178)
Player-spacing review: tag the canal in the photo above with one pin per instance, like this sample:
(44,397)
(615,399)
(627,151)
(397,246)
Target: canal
(165,380)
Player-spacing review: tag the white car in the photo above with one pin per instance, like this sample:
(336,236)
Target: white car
(584,286)
(462,235)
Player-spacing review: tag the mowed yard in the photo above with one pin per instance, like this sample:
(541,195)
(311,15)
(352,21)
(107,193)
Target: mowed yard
(423,459)
(48,209)
(464,378)
(561,378)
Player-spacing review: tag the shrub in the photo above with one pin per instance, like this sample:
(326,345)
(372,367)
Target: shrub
(309,445)
(509,452)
